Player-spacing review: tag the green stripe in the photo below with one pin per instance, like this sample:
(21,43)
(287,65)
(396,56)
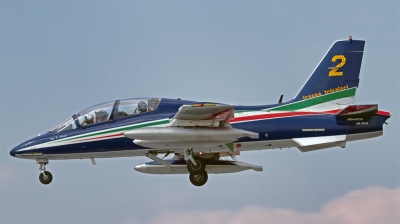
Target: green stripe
(314,101)
(120,129)
(242,111)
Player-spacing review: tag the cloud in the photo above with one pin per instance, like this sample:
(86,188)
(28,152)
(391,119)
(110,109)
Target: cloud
(366,206)
(6,174)
(10,176)
(370,205)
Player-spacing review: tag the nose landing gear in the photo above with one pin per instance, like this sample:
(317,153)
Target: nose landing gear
(45,177)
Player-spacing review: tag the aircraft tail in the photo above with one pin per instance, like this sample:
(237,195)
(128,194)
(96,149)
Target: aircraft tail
(333,83)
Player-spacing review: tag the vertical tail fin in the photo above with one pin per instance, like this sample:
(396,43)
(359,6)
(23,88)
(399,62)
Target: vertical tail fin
(336,78)
(333,83)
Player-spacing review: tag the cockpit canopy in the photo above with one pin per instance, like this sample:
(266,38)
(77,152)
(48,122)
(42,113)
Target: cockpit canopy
(110,110)
(129,107)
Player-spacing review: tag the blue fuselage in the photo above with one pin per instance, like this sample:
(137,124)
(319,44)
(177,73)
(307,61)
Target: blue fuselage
(288,126)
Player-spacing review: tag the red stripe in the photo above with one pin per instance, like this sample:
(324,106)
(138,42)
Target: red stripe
(292,114)
(384,113)
(280,115)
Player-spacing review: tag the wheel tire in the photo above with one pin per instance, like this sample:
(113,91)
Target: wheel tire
(199,168)
(198,179)
(47,180)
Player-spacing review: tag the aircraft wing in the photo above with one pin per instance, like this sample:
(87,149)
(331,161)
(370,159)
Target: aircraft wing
(193,126)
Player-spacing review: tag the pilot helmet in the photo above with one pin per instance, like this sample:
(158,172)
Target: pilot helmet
(89,119)
(142,106)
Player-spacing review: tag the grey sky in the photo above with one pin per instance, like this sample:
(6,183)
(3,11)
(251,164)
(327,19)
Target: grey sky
(60,57)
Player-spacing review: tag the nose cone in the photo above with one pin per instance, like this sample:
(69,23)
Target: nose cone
(14,151)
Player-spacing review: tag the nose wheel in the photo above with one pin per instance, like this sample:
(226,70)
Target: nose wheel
(45,177)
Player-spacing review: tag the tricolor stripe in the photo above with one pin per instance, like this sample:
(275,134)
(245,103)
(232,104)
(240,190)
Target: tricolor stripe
(268,115)
(99,135)
(298,105)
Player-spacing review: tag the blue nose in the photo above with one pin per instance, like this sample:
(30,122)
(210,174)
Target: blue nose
(13,151)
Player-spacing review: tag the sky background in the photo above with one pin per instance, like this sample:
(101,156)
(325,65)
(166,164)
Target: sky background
(60,57)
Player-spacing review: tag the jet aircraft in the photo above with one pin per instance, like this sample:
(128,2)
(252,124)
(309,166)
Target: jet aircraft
(197,135)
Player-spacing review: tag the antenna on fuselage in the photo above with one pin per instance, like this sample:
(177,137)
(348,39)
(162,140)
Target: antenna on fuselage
(280,99)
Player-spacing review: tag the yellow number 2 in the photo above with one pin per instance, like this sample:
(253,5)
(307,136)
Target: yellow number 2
(333,71)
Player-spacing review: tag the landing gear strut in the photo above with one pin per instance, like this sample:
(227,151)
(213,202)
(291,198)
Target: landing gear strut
(197,168)
(45,177)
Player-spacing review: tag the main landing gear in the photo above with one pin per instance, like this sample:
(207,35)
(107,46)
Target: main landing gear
(45,177)
(196,167)
(198,179)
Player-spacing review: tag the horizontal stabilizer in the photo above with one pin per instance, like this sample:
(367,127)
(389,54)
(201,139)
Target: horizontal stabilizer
(321,146)
(358,111)
(319,140)
(322,142)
